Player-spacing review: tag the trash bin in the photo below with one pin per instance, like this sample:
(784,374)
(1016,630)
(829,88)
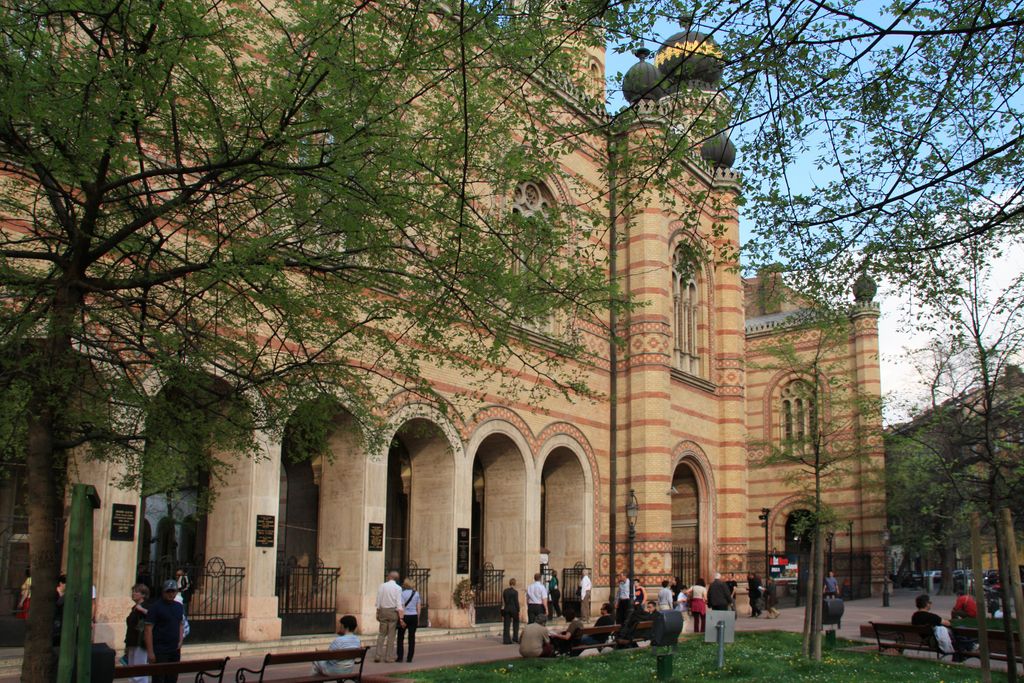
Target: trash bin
(668,624)
(832,612)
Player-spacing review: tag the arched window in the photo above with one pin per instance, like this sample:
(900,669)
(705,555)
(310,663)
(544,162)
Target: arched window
(530,202)
(686,322)
(798,413)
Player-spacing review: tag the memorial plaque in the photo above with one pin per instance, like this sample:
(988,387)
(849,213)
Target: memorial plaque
(376,539)
(462,556)
(265,531)
(122,522)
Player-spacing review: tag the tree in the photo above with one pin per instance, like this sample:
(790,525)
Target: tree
(825,432)
(971,425)
(253,207)
(863,127)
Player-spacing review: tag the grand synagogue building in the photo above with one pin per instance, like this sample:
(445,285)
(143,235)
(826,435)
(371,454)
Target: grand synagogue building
(487,492)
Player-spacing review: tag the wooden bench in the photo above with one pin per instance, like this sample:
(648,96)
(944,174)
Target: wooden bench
(901,637)
(204,669)
(600,633)
(996,644)
(358,655)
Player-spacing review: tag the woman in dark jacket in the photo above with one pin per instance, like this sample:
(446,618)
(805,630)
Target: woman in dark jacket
(754,594)
(134,643)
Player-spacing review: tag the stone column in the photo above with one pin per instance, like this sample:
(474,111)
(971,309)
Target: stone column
(250,489)
(114,561)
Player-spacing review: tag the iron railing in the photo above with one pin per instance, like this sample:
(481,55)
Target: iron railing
(420,578)
(306,597)
(686,564)
(571,586)
(487,594)
(214,603)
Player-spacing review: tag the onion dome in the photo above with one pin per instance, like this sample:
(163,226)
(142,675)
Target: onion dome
(719,151)
(690,56)
(864,289)
(643,80)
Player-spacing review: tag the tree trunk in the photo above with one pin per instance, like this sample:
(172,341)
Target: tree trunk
(808,597)
(817,577)
(37,664)
(948,557)
(1006,563)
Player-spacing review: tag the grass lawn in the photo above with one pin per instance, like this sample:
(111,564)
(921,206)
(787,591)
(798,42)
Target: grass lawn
(753,657)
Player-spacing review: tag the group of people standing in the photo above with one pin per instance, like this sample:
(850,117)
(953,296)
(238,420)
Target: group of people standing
(157,624)
(398,615)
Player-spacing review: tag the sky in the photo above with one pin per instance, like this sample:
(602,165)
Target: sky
(898,336)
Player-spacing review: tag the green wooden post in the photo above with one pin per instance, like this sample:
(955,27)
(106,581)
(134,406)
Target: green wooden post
(76,628)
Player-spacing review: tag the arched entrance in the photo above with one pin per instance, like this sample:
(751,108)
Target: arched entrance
(306,588)
(193,437)
(419,512)
(799,538)
(563,527)
(687,524)
(498,526)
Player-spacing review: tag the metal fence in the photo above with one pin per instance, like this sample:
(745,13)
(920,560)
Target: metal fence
(487,594)
(420,578)
(853,570)
(306,597)
(214,603)
(571,586)
(686,564)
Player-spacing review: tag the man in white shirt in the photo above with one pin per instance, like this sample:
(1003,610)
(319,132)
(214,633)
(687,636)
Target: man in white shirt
(585,588)
(623,600)
(536,599)
(389,611)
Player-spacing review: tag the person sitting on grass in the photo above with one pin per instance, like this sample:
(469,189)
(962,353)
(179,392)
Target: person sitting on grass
(567,639)
(346,640)
(534,640)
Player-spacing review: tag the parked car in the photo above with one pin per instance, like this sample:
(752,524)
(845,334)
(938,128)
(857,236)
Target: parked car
(911,579)
(963,580)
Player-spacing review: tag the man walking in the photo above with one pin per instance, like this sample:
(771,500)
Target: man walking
(585,588)
(536,599)
(165,630)
(389,611)
(719,594)
(510,613)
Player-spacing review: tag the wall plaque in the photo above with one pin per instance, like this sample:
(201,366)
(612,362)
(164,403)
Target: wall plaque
(376,539)
(265,531)
(122,522)
(462,554)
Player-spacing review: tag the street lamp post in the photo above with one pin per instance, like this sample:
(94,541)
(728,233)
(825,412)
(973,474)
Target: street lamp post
(885,568)
(764,523)
(632,512)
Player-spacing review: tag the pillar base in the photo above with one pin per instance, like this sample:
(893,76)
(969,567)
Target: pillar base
(259,621)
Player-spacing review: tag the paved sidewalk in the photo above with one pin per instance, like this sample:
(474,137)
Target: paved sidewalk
(454,650)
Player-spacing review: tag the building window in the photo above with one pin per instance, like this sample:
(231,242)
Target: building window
(531,202)
(686,319)
(799,418)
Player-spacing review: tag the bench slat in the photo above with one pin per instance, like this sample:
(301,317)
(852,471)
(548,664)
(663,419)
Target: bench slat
(213,668)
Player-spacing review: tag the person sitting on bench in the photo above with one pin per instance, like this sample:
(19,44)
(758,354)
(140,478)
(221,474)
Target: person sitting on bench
(346,640)
(565,640)
(625,637)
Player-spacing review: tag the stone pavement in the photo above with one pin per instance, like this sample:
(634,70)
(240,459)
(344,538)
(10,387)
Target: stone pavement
(440,649)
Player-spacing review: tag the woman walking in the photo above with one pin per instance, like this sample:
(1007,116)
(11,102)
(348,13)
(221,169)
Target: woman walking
(410,620)
(698,604)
